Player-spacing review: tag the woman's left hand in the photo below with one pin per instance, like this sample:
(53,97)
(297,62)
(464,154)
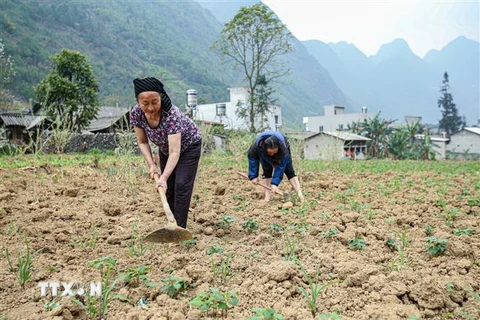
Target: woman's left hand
(161,182)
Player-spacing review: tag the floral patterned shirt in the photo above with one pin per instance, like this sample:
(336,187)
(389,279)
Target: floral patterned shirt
(173,123)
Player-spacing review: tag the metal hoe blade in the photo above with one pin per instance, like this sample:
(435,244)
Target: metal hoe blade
(167,235)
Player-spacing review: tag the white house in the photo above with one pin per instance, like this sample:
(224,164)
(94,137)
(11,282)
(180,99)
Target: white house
(225,112)
(334,119)
(464,144)
(330,145)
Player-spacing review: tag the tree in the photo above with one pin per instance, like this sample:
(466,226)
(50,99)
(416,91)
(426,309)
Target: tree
(69,92)
(263,101)
(6,67)
(254,41)
(377,129)
(451,122)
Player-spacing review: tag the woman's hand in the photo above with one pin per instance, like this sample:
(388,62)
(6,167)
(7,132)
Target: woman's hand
(161,182)
(152,169)
(275,189)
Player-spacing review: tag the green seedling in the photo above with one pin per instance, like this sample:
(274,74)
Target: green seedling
(429,230)
(329,316)
(98,306)
(11,229)
(226,222)
(314,289)
(393,245)
(82,243)
(369,214)
(403,238)
(291,248)
(302,211)
(215,300)
(473,202)
(449,215)
(329,233)
(174,286)
(215,248)
(465,312)
(459,232)
(265,314)
(436,246)
(441,203)
(189,243)
(276,228)
(221,272)
(357,243)
(250,225)
(243,205)
(23,270)
(300,227)
(137,247)
(398,262)
(135,276)
(49,306)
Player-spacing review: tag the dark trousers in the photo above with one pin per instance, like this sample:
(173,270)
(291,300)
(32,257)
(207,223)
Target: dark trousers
(181,181)
(268,170)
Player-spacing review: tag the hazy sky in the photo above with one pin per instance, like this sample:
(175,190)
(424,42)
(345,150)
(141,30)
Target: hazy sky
(424,24)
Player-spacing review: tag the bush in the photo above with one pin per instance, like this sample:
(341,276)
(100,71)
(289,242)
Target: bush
(8,149)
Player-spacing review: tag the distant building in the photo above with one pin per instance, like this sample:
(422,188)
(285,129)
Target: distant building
(465,144)
(21,126)
(330,145)
(335,119)
(225,112)
(110,120)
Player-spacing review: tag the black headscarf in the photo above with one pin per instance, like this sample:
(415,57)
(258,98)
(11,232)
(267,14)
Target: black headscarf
(152,84)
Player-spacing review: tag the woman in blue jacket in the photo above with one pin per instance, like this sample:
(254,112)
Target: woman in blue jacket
(272,150)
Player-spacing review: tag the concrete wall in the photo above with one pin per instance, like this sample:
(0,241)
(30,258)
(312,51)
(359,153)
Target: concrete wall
(323,147)
(440,148)
(208,112)
(464,144)
(332,122)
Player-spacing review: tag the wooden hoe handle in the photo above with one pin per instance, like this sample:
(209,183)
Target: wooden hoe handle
(260,184)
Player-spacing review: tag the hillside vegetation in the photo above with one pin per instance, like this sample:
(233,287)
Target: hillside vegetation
(124,39)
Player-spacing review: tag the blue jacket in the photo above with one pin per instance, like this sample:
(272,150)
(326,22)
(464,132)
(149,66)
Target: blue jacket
(257,156)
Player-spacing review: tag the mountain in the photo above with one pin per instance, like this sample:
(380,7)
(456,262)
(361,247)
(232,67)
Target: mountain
(308,86)
(461,60)
(398,83)
(224,11)
(345,76)
(127,39)
(121,40)
(404,84)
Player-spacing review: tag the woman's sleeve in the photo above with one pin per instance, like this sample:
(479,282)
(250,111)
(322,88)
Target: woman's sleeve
(135,116)
(280,170)
(174,122)
(253,162)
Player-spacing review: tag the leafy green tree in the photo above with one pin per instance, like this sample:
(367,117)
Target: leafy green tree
(6,66)
(254,41)
(377,129)
(426,147)
(262,104)
(70,91)
(398,143)
(451,122)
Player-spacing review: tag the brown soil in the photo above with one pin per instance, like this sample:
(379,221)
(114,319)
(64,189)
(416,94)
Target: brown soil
(52,206)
